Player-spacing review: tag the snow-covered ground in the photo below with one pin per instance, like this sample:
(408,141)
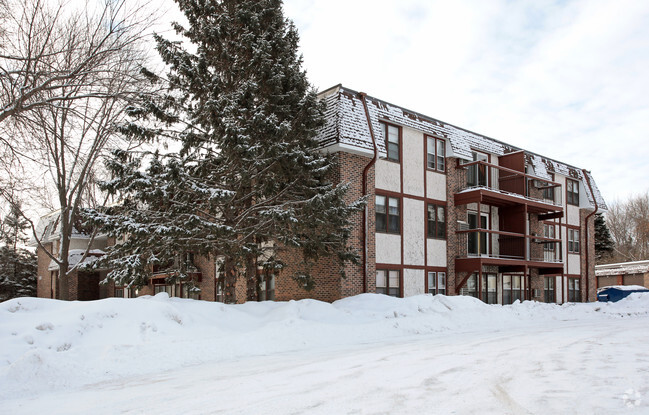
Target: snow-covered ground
(362,355)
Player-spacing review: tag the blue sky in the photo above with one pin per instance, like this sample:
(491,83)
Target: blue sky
(566,79)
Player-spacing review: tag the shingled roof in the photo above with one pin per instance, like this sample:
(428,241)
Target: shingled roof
(346,125)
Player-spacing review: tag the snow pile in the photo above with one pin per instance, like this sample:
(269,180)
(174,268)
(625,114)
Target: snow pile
(50,344)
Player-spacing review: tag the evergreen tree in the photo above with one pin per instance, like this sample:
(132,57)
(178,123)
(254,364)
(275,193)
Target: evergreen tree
(249,179)
(603,242)
(18,266)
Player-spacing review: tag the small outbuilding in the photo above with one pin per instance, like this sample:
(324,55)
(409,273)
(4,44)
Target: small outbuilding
(624,273)
(618,292)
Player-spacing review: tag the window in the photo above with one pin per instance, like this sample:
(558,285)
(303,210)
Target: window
(437,283)
(477,173)
(267,287)
(548,192)
(436,221)
(435,153)
(572,190)
(187,292)
(163,288)
(489,289)
(387,282)
(548,289)
(387,214)
(573,241)
(392,139)
(549,247)
(512,288)
(471,287)
(573,290)
(119,292)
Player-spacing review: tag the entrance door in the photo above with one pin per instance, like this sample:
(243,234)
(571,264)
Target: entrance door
(477,173)
(477,241)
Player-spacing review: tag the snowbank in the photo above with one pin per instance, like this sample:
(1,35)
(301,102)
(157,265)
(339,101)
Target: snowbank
(50,344)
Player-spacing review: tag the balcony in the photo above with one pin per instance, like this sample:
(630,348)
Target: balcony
(510,251)
(500,186)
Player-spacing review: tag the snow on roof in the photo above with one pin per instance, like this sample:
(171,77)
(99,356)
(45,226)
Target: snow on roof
(75,255)
(346,124)
(48,229)
(623,287)
(622,268)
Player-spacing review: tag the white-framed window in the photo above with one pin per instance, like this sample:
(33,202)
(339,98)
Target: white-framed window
(572,192)
(436,221)
(573,241)
(437,282)
(573,290)
(388,282)
(548,290)
(392,141)
(435,154)
(388,214)
(549,248)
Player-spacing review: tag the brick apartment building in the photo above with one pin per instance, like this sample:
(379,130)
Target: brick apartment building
(449,212)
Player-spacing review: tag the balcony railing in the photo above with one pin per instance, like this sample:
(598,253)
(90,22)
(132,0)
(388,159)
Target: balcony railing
(487,243)
(480,174)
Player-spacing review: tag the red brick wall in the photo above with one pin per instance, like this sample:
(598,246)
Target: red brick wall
(587,269)
(455,179)
(44,285)
(329,286)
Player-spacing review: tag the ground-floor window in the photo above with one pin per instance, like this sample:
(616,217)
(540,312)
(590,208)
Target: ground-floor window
(188,292)
(119,292)
(490,289)
(548,290)
(163,288)
(513,288)
(471,287)
(267,287)
(573,290)
(387,282)
(437,283)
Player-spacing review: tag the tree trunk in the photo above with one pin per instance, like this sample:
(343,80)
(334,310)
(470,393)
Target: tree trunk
(229,282)
(251,278)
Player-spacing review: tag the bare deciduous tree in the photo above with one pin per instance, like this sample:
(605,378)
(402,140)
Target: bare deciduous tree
(67,80)
(629,225)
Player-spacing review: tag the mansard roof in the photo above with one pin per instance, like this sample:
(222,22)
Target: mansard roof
(346,126)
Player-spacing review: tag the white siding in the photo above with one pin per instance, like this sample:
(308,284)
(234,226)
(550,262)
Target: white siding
(413,162)
(388,176)
(388,248)
(413,231)
(413,282)
(435,185)
(572,215)
(573,264)
(436,253)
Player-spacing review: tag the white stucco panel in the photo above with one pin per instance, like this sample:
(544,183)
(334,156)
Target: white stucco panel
(413,282)
(388,248)
(388,175)
(572,215)
(413,231)
(573,264)
(436,252)
(413,162)
(435,185)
